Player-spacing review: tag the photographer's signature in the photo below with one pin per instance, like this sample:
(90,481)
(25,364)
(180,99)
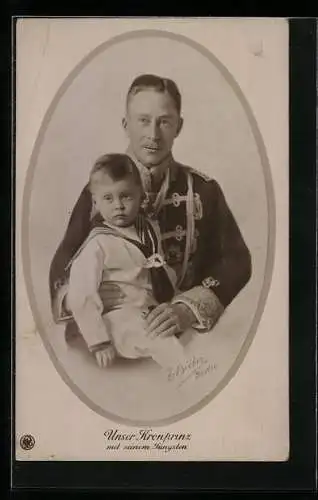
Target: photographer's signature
(197,367)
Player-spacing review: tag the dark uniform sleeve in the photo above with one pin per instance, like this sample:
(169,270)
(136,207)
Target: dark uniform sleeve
(76,232)
(232,267)
(224,266)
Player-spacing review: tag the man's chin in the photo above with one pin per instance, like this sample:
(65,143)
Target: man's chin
(153,160)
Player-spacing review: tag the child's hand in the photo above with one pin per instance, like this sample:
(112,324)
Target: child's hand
(106,356)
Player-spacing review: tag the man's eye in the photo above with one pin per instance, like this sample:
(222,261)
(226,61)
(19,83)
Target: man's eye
(165,122)
(143,120)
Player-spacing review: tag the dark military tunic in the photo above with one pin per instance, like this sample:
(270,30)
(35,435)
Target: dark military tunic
(200,239)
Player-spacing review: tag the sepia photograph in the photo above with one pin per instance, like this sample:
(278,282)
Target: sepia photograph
(151,240)
(148,228)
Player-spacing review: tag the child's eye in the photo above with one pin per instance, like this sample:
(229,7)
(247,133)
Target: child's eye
(108,197)
(126,196)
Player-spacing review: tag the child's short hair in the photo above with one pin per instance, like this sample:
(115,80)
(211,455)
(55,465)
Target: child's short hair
(117,166)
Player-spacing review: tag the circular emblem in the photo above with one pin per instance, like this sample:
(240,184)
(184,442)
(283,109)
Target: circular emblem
(27,442)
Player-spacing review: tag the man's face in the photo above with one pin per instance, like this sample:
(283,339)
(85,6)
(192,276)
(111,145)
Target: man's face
(152,123)
(117,201)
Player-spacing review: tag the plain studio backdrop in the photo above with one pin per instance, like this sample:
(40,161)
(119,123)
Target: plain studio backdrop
(216,139)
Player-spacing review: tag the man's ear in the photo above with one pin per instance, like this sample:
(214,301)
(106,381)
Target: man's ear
(124,124)
(180,125)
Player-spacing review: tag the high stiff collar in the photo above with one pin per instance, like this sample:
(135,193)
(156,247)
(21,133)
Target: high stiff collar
(157,172)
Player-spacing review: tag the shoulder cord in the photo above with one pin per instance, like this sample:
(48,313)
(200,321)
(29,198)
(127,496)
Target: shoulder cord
(190,227)
(162,193)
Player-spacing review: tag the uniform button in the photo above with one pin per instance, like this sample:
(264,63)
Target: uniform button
(175,199)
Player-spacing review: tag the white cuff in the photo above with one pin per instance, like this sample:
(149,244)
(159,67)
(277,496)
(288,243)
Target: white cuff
(204,304)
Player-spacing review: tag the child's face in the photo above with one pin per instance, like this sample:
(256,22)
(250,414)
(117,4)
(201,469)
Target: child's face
(117,201)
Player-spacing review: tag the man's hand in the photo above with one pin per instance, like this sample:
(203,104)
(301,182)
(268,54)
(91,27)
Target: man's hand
(169,319)
(106,356)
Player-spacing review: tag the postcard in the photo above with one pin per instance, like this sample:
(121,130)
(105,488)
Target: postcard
(151,239)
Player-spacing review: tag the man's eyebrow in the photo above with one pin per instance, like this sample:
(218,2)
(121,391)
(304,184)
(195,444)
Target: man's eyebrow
(166,115)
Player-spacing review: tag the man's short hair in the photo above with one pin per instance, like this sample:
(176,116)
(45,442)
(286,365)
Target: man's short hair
(117,166)
(157,83)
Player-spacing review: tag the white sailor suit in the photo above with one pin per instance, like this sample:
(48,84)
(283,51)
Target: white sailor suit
(122,256)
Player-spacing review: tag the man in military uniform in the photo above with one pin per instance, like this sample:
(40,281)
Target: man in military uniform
(200,238)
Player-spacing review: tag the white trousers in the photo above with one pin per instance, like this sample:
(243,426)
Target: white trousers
(127,328)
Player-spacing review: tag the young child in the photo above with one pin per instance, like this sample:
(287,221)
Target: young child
(122,248)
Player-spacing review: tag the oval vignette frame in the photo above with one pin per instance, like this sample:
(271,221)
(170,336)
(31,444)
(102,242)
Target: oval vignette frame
(270,199)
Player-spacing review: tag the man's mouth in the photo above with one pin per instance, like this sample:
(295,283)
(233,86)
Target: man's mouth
(152,148)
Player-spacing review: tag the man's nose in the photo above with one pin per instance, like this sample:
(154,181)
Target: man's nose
(154,130)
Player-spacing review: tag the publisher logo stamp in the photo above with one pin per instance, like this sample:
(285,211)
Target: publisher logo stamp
(27,442)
